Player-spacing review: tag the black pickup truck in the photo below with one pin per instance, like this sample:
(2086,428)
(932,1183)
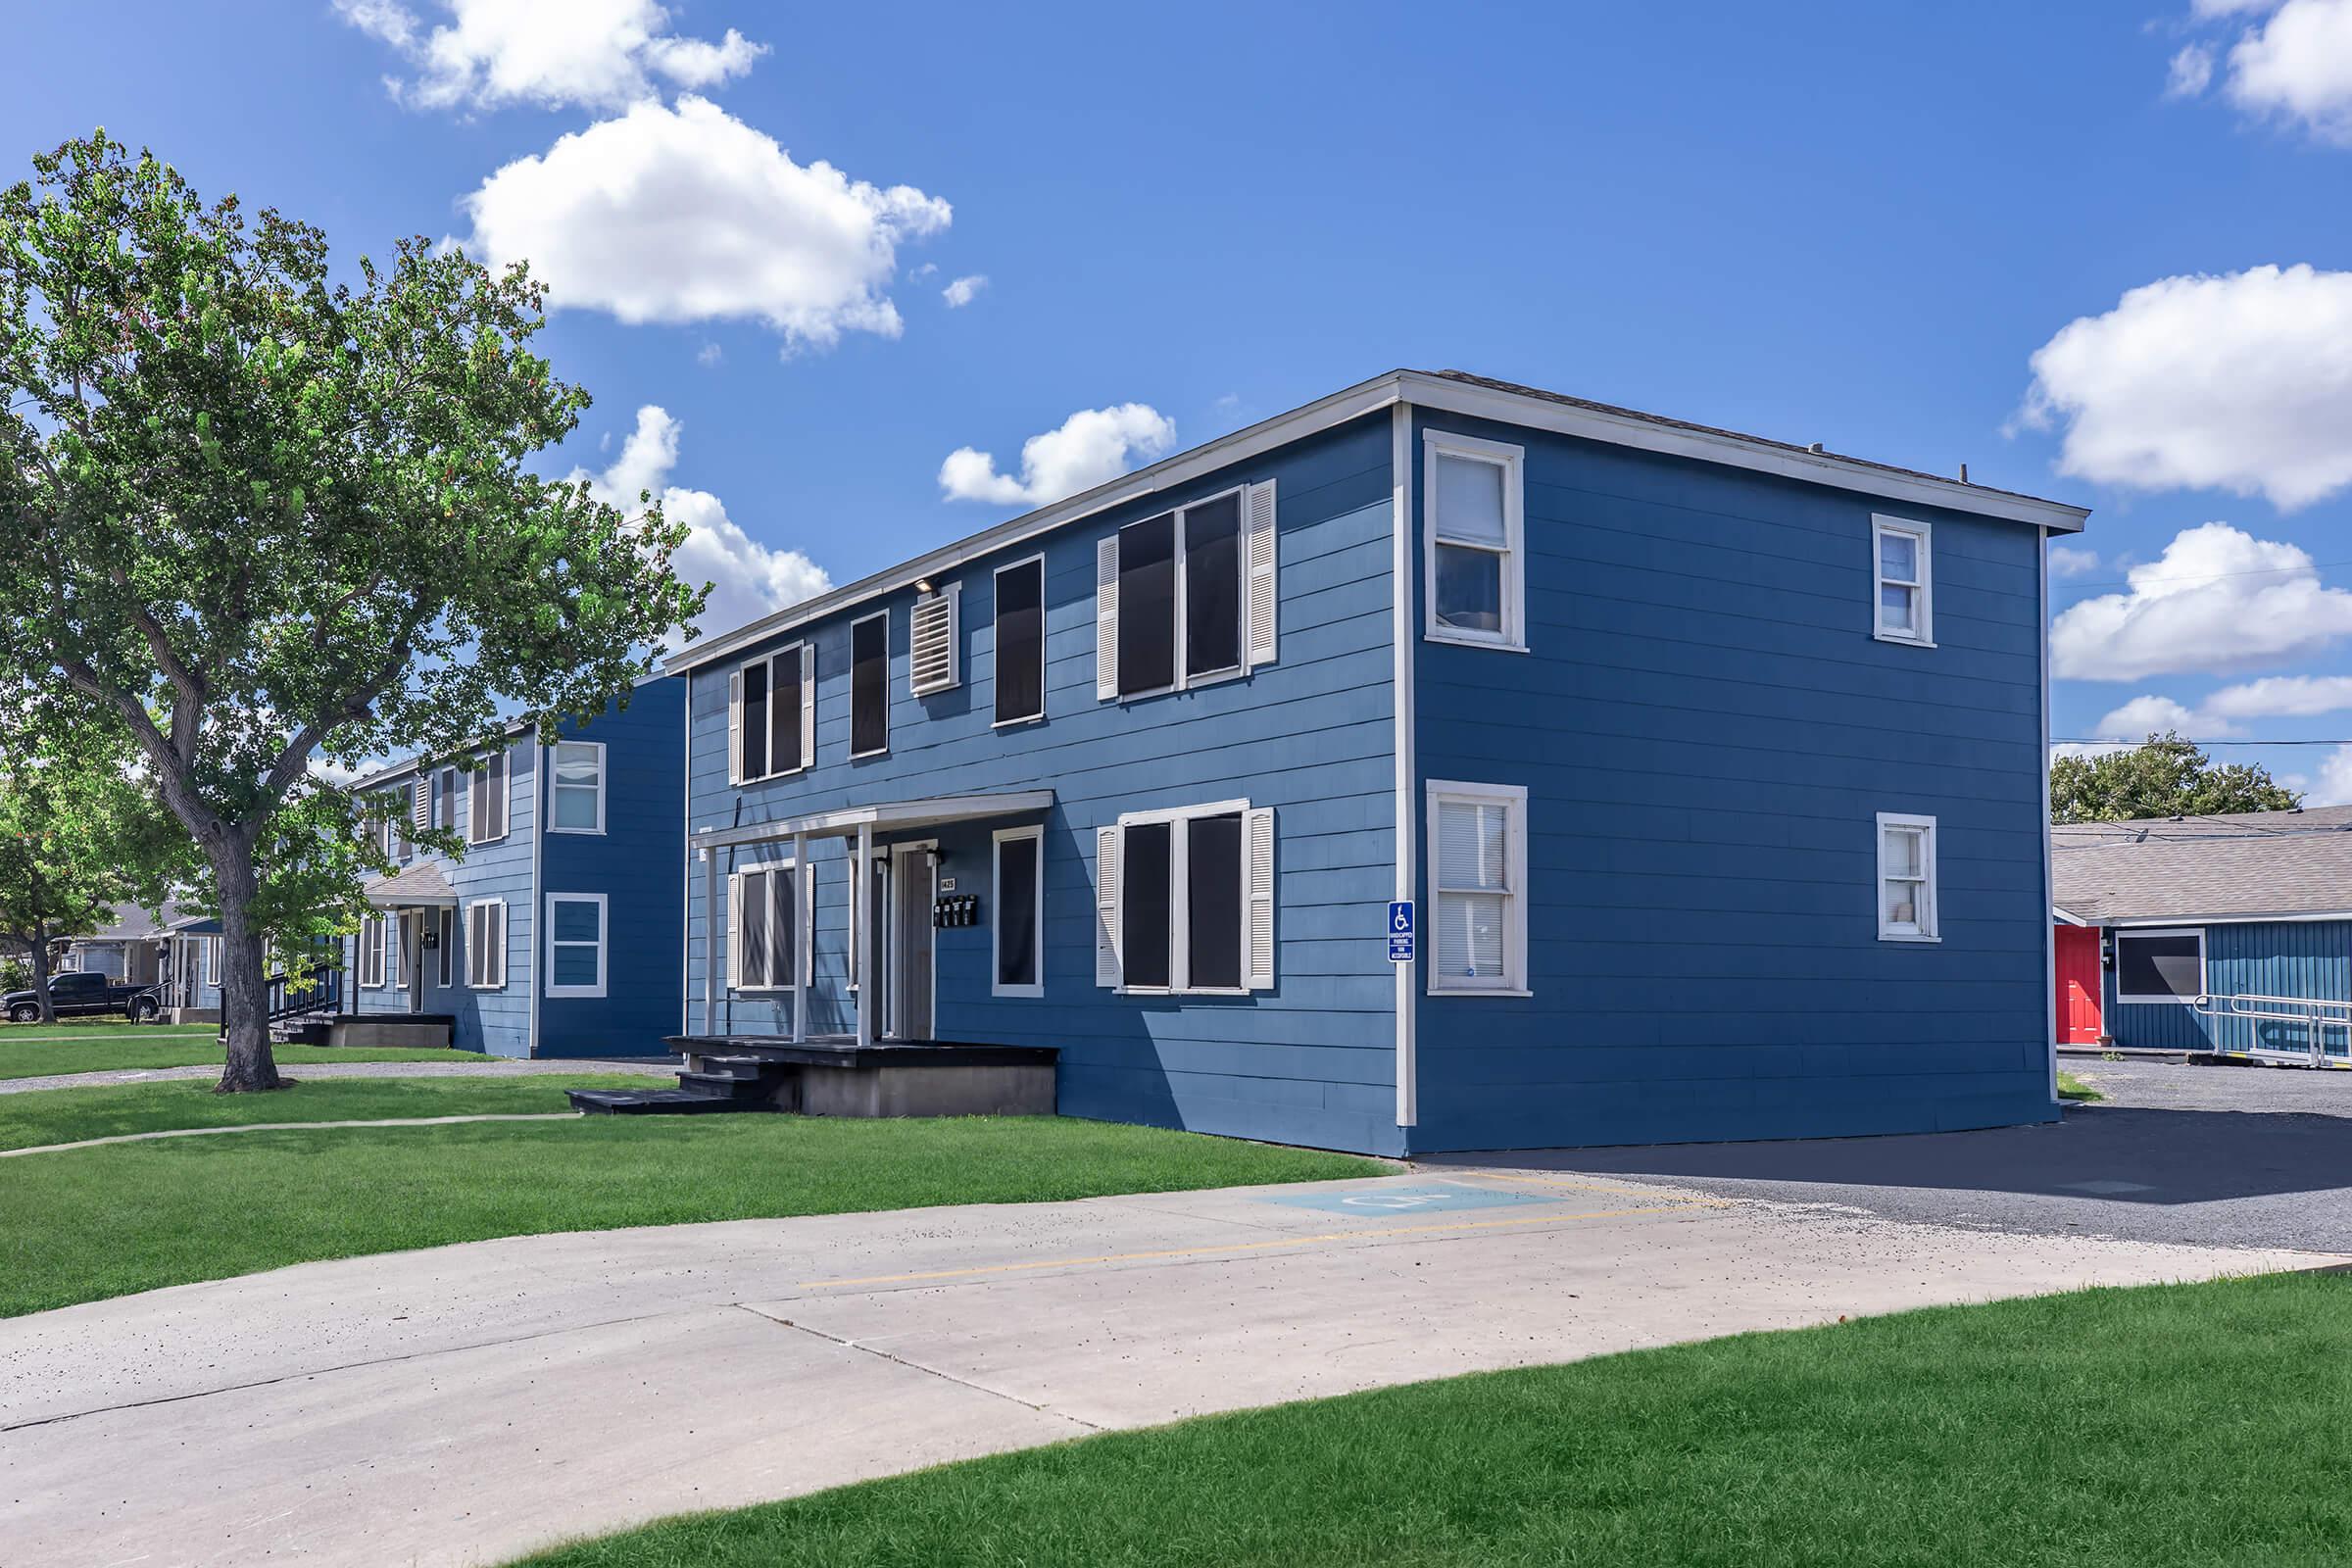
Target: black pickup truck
(77,993)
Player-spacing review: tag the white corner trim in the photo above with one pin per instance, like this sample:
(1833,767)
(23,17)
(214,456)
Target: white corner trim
(1400,638)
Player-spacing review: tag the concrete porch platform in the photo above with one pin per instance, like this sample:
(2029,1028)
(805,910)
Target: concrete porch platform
(420,1030)
(836,1076)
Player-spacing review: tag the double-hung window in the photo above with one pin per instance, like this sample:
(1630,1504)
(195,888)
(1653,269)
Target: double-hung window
(1018,929)
(1021,641)
(1906,878)
(487,943)
(575,944)
(2160,966)
(870,685)
(449,949)
(772,714)
(576,803)
(446,816)
(1187,597)
(1902,593)
(1184,900)
(761,931)
(371,951)
(1477,888)
(1474,493)
(486,817)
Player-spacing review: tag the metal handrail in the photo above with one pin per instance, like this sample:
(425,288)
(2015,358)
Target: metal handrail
(2314,1013)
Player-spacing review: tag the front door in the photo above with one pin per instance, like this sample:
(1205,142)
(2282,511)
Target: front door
(2079,985)
(910,943)
(412,952)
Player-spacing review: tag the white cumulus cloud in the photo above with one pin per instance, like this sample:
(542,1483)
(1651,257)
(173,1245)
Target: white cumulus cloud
(554,54)
(2290,62)
(2066,560)
(748,578)
(2191,73)
(2282,697)
(963,290)
(689,215)
(1087,449)
(2241,383)
(2218,598)
(2334,787)
(2143,717)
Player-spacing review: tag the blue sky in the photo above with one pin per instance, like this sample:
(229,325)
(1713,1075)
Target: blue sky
(1856,223)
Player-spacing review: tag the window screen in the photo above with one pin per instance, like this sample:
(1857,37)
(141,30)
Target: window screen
(754,720)
(1214,900)
(1021,641)
(784,711)
(1144,929)
(1148,605)
(869,686)
(2161,966)
(1473,537)
(1212,586)
(1016,911)
(751,926)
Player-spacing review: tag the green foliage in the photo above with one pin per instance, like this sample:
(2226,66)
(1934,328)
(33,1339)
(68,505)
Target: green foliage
(260,517)
(14,974)
(2168,776)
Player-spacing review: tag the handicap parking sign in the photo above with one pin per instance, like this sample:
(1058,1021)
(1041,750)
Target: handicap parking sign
(1401,931)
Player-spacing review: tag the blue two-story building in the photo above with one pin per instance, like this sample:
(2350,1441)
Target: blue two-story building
(556,933)
(1710,766)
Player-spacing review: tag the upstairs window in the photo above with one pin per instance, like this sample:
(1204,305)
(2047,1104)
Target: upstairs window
(1473,495)
(446,816)
(1906,878)
(1903,583)
(1185,900)
(1187,597)
(1021,641)
(771,715)
(1478,887)
(486,818)
(870,685)
(578,802)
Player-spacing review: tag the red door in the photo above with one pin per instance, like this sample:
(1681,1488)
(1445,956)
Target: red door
(2078,987)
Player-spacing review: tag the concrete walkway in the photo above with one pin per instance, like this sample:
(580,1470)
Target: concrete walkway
(341,1069)
(464,1405)
(288,1127)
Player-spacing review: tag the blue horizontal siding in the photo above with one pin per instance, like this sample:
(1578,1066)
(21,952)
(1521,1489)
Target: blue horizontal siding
(2301,958)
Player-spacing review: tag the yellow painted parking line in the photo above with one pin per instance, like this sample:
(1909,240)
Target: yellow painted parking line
(1668,1205)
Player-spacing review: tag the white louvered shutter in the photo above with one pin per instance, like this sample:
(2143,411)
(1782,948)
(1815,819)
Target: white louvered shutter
(932,635)
(1259,552)
(421,801)
(1107,618)
(1107,907)
(734,930)
(808,705)
(1257,845)
(735,727)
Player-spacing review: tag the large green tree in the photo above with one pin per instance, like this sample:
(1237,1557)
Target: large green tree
(2166,776)
(263,520)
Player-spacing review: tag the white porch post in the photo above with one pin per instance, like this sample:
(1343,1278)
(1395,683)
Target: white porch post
(709,942)
(803,933)
(861,905)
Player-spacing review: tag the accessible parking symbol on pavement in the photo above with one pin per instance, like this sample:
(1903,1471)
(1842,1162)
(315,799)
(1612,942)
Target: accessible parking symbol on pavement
(1406,1200)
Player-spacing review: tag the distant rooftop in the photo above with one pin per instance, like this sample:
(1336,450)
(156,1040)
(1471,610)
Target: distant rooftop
(2240,866)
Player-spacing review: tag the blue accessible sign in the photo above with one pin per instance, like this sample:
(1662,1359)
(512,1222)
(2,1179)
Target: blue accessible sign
(1401,931)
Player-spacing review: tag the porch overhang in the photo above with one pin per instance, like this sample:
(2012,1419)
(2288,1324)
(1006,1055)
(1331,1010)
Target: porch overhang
(420,887)
(888,816)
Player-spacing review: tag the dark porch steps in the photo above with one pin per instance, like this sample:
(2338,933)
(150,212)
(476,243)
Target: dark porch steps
(722,1084)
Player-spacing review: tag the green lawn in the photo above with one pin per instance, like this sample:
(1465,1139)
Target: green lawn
(38,1052)
(65,1116)
(2110,1428)
(98,1222)
(2071,1087)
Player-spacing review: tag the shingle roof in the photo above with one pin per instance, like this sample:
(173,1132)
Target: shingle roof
(418,884)
(2242,867)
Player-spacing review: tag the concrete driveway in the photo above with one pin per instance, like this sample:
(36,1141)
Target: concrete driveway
(463,1404)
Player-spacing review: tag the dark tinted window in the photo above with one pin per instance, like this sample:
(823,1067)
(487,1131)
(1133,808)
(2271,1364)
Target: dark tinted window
(1017,912)
(783,932)
(870,685)
(1148,605)
(76,980)
(1144,904)
(784,729)
(1212,587)
(751,921)
(2157,966)
(755,721)
(1021,642)
(1214,877)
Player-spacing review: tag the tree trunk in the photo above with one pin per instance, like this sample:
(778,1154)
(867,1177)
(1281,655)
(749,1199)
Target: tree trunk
(40,971)
(244,983)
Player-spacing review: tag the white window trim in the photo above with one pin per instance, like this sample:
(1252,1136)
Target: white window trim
(1513,981)
(1512,459)
(1183,596)
(883,749)
(603,943)
(996,641)
(212,961)
(396,960)
(2204,980)
(1179,906)
(448,955)
(770,661)
(371,954)
(500,763)
(777,912)
(554,774)
(1036,835)
(500,983)
(1931,927)
(1923,635)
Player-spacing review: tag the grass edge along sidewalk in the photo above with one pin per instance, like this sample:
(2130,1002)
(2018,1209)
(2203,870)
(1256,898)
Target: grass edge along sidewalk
(86,1224)
(2104,1427)
(121,1050)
